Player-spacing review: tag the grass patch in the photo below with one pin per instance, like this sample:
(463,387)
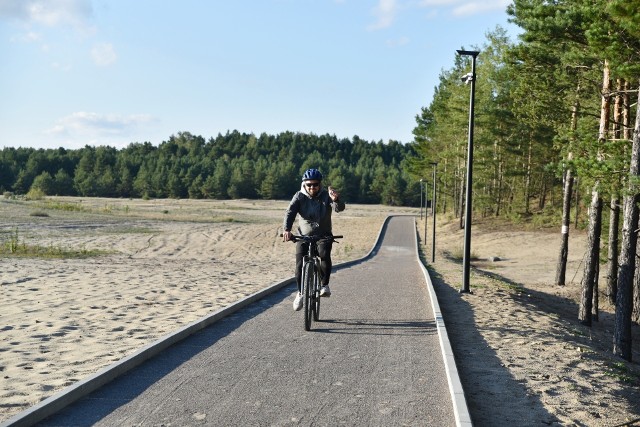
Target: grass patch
(458,255)
(516,287)
(621,372)
(578,333)
(12,246)
(223,219)
(63,206)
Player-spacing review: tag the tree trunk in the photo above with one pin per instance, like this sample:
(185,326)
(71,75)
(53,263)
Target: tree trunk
(577,184)
(500,190)
(561,268)
(595,307)
(543,196)
(624,299)
(627,130)
(635,313)
(445,188)
(527,183)
(590,277)
(618,109)
(614,215)
(612,264)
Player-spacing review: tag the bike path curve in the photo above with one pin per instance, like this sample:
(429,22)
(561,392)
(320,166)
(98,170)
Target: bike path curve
(380,357)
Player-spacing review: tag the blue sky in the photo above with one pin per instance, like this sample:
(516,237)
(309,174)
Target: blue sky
(112,72)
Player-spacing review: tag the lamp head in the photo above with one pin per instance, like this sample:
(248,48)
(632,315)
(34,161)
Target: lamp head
(467,78)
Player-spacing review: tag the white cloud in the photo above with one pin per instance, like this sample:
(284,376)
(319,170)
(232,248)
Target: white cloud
(477,7)
(28,37)
(465,7)
(103,54)
(385,13)
(428,3)
(97,126)
(48,12)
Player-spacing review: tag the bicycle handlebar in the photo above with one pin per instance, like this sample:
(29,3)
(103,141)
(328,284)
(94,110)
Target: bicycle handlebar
(295,237)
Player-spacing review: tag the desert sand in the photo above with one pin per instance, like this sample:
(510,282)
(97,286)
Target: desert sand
(523,357)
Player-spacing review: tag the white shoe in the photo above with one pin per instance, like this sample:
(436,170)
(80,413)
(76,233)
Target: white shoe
(325,291)
(297,303)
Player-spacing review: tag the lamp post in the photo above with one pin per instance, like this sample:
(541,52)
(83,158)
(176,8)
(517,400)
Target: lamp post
(421,198)
(468,78)
(433,213)
(426,192)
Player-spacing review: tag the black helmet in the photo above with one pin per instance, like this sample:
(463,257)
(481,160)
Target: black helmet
(312,174)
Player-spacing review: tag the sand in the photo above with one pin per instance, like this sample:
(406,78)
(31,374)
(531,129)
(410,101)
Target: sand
(523,357)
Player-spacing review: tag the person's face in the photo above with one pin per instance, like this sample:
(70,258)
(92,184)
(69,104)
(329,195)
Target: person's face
(313,187)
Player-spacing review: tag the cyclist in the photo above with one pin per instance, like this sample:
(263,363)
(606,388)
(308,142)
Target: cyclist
(314,204)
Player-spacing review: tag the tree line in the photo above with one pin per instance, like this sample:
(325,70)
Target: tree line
(554,111)
(231,166)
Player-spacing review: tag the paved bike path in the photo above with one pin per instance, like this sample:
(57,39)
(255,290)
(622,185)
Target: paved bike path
(375,359)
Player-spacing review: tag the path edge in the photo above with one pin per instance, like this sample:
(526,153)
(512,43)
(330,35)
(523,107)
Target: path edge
(460,408)
(75,392)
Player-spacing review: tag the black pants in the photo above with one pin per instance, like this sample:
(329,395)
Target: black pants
(324,251)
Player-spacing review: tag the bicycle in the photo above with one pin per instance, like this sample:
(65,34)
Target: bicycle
(311,278)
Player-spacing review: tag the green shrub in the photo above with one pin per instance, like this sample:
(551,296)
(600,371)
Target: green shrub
(35,194)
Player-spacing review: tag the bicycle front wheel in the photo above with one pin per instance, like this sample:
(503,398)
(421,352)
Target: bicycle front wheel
(316,293)
(307,283)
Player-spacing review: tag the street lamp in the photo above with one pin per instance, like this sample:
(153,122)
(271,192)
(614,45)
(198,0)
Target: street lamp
(433,213)
(468,78)
(421,198)
(426,197)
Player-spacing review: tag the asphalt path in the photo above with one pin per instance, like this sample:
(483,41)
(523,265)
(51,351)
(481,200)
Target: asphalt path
(374,359)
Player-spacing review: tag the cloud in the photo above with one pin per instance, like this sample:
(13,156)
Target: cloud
(477,7)
(427,3)
(467,8)
(385,13)
(97,126)
(28,37)
(48,12)
(103,54)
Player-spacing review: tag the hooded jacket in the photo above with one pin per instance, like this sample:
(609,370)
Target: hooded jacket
(315,212)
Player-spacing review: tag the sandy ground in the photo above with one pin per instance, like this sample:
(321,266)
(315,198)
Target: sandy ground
(169,262)
(523,357)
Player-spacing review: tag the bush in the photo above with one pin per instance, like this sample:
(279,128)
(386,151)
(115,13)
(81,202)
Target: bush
(35,194)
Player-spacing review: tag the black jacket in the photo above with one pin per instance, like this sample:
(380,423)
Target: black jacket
(315,212)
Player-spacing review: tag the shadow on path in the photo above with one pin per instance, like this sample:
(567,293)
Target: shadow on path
(378,327)
(494,396)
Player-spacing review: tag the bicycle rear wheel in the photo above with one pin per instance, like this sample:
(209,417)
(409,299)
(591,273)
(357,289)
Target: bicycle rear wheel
(307,283)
